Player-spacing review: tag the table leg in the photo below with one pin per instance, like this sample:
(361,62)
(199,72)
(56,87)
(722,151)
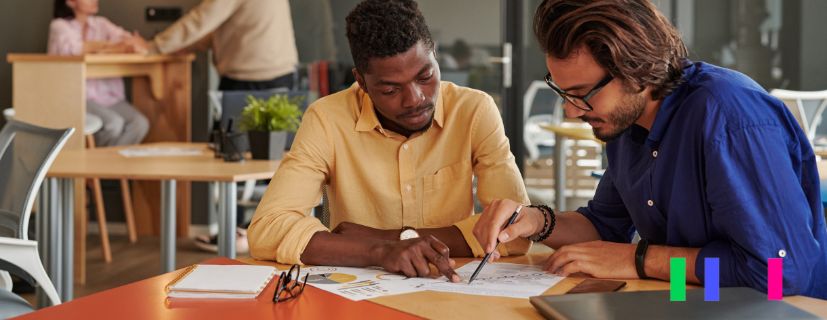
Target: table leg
(55,256)
(559,172)
(227,219)
(212,199)
(167,226)
(68,199)
(44,215)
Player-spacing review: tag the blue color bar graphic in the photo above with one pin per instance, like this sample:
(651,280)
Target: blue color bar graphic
(711,279)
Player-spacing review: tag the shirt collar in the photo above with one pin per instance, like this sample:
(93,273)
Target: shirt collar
(367,117)
(669,106)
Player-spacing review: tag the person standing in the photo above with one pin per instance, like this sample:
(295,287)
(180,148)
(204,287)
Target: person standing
(252,41)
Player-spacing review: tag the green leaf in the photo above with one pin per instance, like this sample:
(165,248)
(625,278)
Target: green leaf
(276,113)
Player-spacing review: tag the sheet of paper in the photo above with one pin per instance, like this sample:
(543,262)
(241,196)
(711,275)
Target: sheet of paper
(359,284)
(159,152)
(499,279)
(495,279)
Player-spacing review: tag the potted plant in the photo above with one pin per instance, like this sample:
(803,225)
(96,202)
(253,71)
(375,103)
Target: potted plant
(267,122)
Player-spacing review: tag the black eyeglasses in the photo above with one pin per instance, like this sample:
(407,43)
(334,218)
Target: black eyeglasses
(284,289)
(579,102)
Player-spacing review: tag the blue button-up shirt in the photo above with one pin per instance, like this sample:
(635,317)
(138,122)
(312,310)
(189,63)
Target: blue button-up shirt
(725,168)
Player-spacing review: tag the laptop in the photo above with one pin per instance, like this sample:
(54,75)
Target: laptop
(735,303)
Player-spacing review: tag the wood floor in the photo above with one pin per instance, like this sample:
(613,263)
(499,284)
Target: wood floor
(130,262)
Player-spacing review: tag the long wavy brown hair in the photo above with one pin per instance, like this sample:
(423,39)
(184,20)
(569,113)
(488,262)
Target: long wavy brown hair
(631,39)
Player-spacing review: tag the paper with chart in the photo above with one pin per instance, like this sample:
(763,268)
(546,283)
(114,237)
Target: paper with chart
(500,279)
(359,284)
(495,279)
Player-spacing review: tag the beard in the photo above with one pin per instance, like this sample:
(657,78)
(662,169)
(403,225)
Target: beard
(626,112)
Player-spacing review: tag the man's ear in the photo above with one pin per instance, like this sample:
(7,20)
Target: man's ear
(359,79)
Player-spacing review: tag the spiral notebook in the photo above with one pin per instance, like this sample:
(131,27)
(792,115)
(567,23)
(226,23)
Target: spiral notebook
(221,282)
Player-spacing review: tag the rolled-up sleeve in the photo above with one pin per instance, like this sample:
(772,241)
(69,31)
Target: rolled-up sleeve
(607,213)
(281,227)
(497,174)
(196,25)
(759,209)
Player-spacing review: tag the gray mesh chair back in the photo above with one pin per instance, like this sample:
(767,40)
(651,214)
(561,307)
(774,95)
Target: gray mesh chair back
(26,153)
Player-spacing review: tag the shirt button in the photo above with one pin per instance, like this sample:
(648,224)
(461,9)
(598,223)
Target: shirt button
(650,203)
(408,188)
(655,154)
(782,253)
(405,146)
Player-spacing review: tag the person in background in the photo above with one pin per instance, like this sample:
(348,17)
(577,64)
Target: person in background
(253,48)
(458,57)
(703,162)
(252,41)
(77,30)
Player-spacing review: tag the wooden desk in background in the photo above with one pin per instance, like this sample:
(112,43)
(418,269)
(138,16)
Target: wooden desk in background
(50,91)
(107,163)
(146,299)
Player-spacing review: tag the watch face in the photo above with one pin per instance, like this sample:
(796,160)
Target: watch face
(408,234)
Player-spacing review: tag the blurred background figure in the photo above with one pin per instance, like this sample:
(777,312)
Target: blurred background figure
(77,30)
(252,41)
(459,57)
(253,48)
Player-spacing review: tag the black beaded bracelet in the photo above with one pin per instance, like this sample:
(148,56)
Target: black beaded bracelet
(549,221)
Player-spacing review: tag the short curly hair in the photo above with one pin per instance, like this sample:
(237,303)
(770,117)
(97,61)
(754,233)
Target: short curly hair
(629,38)
(384,28)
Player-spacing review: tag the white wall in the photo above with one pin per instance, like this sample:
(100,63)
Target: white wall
(475,21)
(24,27)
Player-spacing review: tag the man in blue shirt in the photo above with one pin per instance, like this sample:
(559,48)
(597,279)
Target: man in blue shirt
(702,161)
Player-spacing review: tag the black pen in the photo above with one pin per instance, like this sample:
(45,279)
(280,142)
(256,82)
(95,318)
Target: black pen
(488,255)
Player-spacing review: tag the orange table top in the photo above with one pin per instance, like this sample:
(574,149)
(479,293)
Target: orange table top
(146,299)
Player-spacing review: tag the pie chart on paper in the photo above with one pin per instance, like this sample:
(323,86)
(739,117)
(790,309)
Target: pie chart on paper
(330,278)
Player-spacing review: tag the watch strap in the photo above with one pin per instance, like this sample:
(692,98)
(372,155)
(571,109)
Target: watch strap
(640,258)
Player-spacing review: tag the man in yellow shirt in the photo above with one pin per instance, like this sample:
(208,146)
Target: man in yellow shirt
(398,152)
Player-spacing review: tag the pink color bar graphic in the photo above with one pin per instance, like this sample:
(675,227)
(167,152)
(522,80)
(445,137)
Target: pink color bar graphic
(775,278)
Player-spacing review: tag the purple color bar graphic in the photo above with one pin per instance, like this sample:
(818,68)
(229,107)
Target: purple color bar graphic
(775,278)
(711,280)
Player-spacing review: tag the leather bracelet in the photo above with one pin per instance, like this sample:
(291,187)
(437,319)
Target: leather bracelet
(549,221)
(640,258)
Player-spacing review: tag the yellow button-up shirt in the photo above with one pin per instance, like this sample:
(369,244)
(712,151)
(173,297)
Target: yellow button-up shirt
(382,179)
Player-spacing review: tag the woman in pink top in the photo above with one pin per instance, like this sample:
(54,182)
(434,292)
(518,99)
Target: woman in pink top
(76,30)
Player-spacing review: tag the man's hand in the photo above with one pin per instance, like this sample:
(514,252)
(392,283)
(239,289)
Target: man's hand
(600,259)
(358,230)
(413,257)
(135,43)
(490,226)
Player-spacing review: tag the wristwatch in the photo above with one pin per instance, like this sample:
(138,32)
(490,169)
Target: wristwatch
(408,233)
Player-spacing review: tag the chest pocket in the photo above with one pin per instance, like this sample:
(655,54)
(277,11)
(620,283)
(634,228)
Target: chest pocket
(448,197)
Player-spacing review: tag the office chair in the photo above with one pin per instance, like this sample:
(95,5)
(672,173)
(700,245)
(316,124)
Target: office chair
(542,106)
(796,102)
(26,153)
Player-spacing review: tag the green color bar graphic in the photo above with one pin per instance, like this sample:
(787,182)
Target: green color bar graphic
(677,279)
